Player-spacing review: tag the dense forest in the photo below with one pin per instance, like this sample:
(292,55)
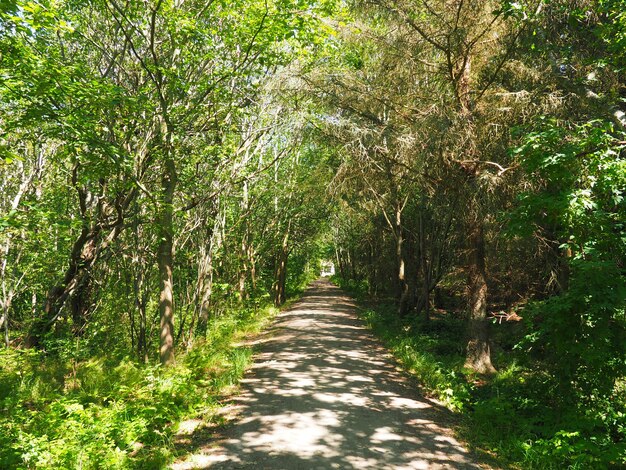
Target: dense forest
(173,171)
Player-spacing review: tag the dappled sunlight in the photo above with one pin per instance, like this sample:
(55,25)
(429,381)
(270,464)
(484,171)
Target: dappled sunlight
(323,394)
(347,398)
(405,403)
(303,433)
(384,434)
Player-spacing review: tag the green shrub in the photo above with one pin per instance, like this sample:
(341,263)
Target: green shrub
(517,415)
(581,334)
(357,288)
(68,411)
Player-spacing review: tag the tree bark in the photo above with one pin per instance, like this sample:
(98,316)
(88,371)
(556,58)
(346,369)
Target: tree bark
(478,356)
(206,269)
(165,261)
(280,279)
(342,273)
(402,289)
(280,275)
(425,267)
(141,301)
(245,268)
(75,284)
(99,231)
(4,321)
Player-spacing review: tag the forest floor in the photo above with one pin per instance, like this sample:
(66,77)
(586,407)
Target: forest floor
(323,393)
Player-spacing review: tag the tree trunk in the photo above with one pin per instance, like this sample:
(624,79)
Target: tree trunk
(245,247)
(371,271)
(352,263)
(280,279)
(402,287)
(4,321)
(91,246)
(252,261)
(423,304)
(9,286)
(342,273)
(280,275)
(165,261)
(205,285)
(75,285)
(478,351)
(241,283)
(478,355)
(141,301)
(206,269)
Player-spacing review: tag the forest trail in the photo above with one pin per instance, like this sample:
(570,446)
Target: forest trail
(322,394)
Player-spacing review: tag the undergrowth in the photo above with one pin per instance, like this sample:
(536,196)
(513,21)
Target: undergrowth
(110,412)
(515,418)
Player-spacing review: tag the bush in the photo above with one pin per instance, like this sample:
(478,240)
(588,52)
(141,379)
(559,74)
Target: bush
(517,415)
(581,334)
(107,412)
(357,288)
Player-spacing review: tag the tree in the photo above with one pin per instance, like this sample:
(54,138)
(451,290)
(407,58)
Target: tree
(464,48)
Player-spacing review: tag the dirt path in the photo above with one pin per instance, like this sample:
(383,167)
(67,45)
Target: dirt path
(324,394)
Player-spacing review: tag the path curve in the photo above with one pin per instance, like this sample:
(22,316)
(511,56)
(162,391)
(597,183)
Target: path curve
(324,394)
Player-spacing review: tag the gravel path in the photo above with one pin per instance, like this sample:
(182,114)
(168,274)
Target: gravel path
(324,394)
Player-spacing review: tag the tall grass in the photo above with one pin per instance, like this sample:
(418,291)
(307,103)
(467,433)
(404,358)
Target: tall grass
(512,418)
(110,412)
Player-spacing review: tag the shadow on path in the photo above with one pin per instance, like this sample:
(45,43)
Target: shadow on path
(324,394)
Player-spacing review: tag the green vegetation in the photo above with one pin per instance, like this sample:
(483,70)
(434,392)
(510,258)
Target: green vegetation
(170,168)
(81,409)
(152,207)
(484,215)
(516,417)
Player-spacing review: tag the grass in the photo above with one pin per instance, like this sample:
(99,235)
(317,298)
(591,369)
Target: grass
(110,412)
(514,419)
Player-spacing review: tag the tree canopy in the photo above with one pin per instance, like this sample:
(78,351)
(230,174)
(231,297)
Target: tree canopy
(169,167)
